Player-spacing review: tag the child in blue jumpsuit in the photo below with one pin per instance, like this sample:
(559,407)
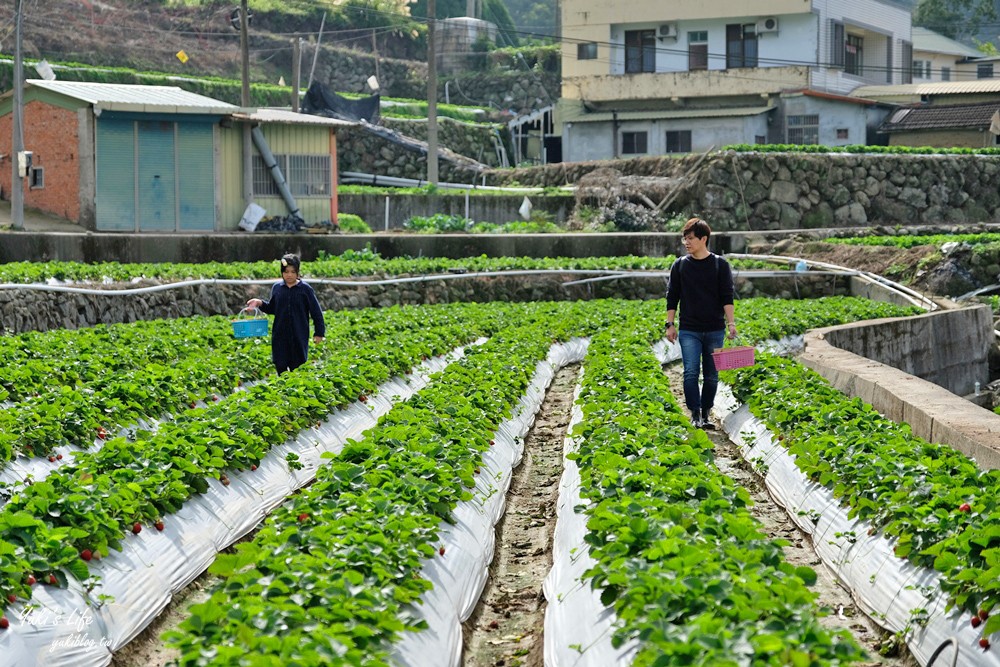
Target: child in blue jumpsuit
(292,303)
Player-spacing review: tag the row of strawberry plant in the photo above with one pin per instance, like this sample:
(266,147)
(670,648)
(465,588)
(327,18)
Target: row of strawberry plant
(76,414)
(939,506)
(36,361)
(354,264)
(88,506)
(773,319)
(360,535)
(690,574)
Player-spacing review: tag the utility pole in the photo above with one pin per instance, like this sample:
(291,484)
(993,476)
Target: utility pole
(245,103)
(296,70)
(17,138)
(312,70)
(432,129)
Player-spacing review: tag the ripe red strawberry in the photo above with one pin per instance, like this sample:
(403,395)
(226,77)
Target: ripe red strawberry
(965,507)
(441,551)
(159,524)
(984,614)
(193,405)
(4,623)
(253,466)
(362,398)
(11,598)
(303,516)
(975,621)
(52,459)
(215,397)
(984,644)
(86,554)
(102,434)
(492,443)
(31,580)
(52,579)
(224,480)
(59,457)
(136,528)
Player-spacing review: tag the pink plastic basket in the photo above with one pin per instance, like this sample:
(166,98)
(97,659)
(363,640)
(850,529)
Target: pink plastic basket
(733,357)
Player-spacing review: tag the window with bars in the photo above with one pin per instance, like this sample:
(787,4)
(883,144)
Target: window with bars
(741,45)
(803,129)
(633,143)
(640,51)
(698,50)
(586,51)
(984,71)
(678,141)
(854,55)
(306,175)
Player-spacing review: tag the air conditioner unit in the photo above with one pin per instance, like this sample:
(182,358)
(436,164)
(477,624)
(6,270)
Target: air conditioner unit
(667,30)
(767,24)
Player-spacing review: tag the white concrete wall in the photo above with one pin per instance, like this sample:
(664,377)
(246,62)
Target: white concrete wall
(594,141)
(832,116)
(794,43)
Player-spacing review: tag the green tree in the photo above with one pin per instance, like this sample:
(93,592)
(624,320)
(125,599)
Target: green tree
(954,18)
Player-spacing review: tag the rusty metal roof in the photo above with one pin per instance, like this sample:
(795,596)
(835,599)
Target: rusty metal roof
(941,117)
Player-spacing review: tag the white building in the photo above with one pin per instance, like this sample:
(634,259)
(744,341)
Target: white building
(653,77)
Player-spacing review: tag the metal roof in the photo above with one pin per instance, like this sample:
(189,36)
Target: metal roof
(935,88)
(601,116)
(941,117)
(289,117)
(935,42)
(138,98)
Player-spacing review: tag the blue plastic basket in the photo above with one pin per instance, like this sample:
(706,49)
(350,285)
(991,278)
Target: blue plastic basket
(250,327)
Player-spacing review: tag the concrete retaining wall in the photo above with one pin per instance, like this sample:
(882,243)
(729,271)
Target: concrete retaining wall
(386,212)
(899,366)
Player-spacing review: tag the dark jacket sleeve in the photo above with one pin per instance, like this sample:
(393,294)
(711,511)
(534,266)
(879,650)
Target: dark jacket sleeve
(727,291)
(674,286)
(268,306)
(319,325)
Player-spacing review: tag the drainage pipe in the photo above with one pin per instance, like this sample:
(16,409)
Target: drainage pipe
(279,180)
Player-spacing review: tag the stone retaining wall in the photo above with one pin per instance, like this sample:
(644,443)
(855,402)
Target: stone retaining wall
(769,191)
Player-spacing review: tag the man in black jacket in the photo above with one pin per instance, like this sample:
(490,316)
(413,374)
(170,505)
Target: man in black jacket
(702,284)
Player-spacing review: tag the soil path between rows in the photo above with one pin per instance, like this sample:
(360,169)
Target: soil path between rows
(505,629)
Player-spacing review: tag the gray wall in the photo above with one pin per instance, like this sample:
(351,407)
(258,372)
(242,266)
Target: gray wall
(481,208)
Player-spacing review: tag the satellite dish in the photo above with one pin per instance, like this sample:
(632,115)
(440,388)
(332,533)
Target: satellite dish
(234,18)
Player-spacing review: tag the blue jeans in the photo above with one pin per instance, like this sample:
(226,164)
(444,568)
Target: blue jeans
(696,352)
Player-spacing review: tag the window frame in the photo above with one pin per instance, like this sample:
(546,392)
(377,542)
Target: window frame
(697,57)
(682,141)
(631,140)
(742,49)
(854,61)
(807,125)
(640,51)
(309,180)
(586,51)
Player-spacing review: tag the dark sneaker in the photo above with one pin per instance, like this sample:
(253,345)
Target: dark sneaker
(696,420)
(706,423)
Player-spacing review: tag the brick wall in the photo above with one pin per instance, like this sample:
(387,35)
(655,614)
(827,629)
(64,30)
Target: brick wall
(52,134)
